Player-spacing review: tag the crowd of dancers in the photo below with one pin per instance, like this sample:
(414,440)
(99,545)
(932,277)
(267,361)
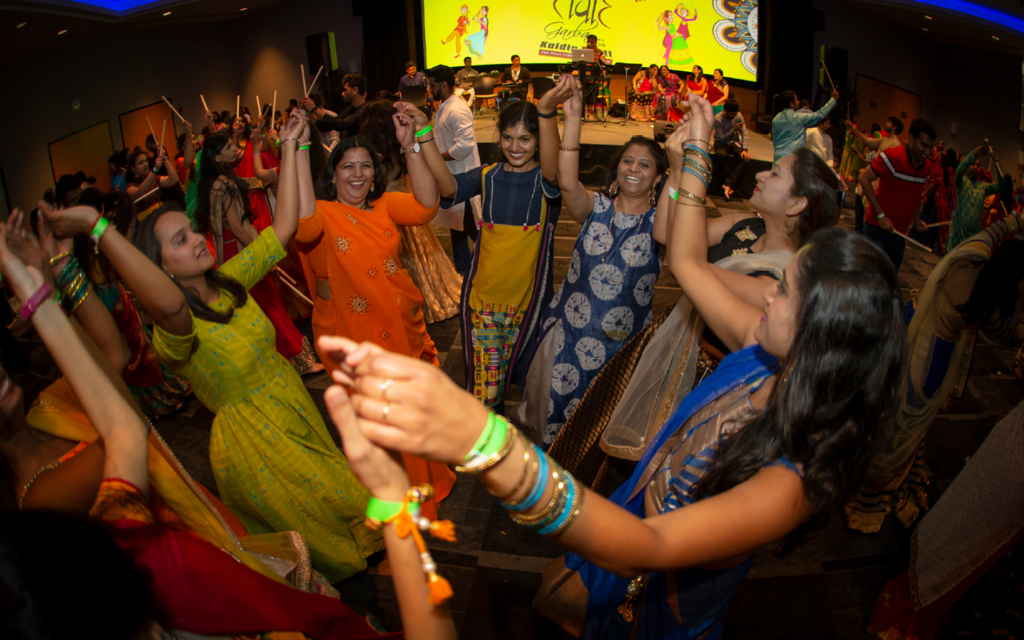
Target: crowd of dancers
(788,382)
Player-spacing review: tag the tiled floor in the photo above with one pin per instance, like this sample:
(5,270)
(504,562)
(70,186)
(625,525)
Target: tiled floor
(823,588)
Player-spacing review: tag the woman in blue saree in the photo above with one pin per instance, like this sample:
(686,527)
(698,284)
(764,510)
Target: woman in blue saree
(768,444)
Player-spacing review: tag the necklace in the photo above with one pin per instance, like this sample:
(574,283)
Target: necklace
(53,465)
(490,204)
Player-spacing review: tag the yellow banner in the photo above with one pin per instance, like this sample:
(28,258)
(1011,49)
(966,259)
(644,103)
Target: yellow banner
(712,33)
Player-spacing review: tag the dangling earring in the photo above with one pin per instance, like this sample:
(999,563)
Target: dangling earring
(614,189)
(372,185)
(652,196)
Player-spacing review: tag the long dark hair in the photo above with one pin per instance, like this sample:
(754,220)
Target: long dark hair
(147,242)
(109,588)
(377,128)
(815,181)
(324,184)
(660,164)
(115,207)
(210,170)
(837,386)
(521,111)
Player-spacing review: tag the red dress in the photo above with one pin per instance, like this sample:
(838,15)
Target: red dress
(289,340)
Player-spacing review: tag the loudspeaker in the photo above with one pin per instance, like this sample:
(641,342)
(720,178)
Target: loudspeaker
(321,53)
(838,61)
(663,129)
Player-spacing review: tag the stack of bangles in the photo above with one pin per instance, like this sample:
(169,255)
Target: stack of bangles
(566,500)
(696,162)
(71,283)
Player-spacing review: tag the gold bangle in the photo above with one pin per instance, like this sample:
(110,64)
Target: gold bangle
(522,476)
(689,196)
(534,479)
(568,149)
(55,259)
(506,447)
(574,510)
(697,140)
(556,475)
(81,300)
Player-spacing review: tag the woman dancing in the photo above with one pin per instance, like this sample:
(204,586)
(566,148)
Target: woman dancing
(477,41)
(511,273)
(767,445)
(641,96)
(275,464)
(606,296)
(349,240)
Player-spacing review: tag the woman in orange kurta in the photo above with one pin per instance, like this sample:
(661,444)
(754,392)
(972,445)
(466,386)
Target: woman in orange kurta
(350,245)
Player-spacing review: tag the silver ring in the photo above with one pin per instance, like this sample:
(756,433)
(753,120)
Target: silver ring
(386,410)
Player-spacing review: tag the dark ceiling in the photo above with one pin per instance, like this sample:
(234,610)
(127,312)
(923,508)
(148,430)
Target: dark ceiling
(45,19)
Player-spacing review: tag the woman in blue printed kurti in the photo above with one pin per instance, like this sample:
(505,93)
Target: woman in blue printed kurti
(606,297)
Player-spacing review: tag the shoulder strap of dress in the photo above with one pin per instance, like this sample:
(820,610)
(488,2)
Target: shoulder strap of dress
(483,179)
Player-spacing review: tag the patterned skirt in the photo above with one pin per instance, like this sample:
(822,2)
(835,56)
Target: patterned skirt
(640,106)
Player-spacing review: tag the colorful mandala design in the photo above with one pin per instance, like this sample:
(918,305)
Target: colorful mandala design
(390,266)
(371,273)
(737,31)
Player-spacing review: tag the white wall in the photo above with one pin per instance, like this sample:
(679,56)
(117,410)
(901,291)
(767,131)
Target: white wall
(257,52)
(978,90)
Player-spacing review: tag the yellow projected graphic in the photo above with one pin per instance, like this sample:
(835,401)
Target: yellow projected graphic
(712,33)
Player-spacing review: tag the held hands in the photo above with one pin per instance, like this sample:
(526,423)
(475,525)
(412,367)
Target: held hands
(701,117)
(555,96)
(68,223)
(418,117)
(293,128)
(427,414)
(981,151)
(573,107)
(24,280)
(405,130)
(674,144)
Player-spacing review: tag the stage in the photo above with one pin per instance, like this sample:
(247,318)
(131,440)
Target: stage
(600,140)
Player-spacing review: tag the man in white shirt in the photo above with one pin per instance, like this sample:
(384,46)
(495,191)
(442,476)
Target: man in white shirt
(456,140)
(820,142)
(463,86)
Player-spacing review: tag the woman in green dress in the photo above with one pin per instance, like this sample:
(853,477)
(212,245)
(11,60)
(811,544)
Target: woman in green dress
(275,464)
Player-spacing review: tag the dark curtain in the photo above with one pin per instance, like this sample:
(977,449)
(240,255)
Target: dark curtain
(385,42)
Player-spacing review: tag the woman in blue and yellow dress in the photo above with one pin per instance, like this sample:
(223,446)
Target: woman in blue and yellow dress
(276,466)
(510,278)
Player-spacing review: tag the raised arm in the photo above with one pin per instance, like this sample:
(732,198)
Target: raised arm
(266,176)
(286,218)
(123,432)
(549,143)
(171,179)
(728,316)
(424,188)
(159,296)
(809,120)
(446,186)
(577,200)
(226,197)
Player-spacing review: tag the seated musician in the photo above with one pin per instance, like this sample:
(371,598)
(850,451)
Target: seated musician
(519,76)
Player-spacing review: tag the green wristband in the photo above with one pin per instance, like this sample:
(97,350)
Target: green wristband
(484,438)
(497,437)
(304,147)
(424,131)
(382,509)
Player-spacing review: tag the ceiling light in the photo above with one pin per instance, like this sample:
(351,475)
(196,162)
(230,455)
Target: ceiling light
(21,25)
(927,17)
(167,13)
(245,8)
(62,32)
(995,37)
(924,28)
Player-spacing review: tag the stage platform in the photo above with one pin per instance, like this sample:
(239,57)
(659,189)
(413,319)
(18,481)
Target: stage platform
(599,142)
(614,133)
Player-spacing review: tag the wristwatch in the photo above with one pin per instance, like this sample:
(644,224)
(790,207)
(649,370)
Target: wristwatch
(415,148)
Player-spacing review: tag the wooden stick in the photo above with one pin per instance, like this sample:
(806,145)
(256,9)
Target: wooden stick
(912,241)
(163,132)
(284,275)
(151,129)
(939,224)
(172,108)
(305,91)
(238,106)
(273,109)
(825,67)
(151,192)
(259,105)
(298,293)
(204,103)
(314,80)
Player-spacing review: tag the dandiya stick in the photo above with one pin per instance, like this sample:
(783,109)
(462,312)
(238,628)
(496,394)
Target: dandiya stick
(939,224)
(259,105)
(825,67)
(163,132)
(238,106)
(305,91)
(172,108)
(912,241)
(314,80)
(298,293)
(151,192)
(273,109)
(284,275)
(204,103)
(151,129)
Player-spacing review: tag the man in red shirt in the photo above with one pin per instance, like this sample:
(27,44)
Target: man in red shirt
(901,173)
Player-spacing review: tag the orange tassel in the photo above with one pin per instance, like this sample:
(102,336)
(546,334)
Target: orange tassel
(404,525)
(440,590)
(443,529)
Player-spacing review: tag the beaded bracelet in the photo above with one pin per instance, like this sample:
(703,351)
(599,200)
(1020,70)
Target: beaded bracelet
(570,149)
